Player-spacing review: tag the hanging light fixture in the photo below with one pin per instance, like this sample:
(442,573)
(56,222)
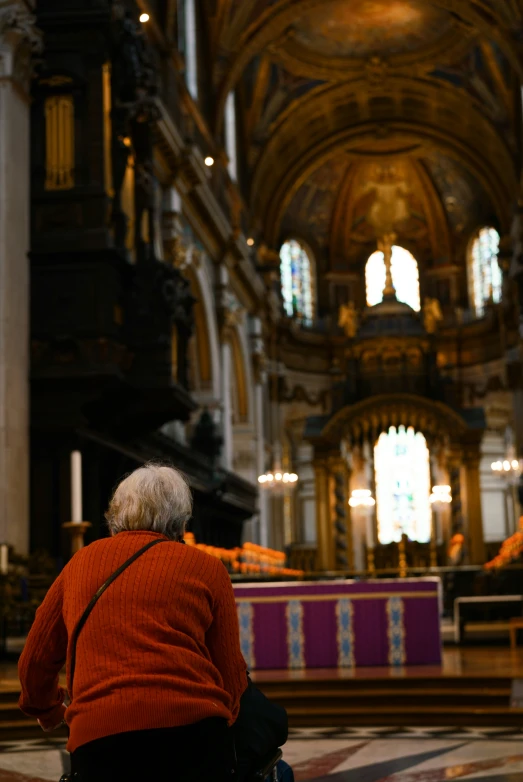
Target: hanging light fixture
(277,480)
(510,469)
(441,495)
(361,498)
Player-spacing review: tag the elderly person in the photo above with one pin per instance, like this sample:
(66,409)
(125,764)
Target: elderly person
(159,672)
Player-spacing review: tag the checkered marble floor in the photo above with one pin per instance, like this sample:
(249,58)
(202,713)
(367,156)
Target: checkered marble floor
(339,755)
(406,754)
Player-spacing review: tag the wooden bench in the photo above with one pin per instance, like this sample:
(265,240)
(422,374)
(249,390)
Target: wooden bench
(513,602)
(516,623)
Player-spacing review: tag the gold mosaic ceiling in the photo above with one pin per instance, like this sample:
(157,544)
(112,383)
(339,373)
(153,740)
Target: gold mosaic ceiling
(366,28)
(337,94)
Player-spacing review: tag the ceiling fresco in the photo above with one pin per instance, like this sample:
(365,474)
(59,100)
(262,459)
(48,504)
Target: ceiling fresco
(365,115)
(483,73)
(384,200)
(281,89)
(310,212)
(365,28)
(465,201)
(346,206)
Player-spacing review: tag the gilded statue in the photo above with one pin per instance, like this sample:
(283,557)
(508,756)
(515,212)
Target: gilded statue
(432,315)
(348,319)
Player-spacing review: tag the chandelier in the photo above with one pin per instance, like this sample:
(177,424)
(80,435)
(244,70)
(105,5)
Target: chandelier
(441,495)
(276,480)
(361,498)
(510,468)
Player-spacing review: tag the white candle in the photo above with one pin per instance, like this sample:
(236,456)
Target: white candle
(4,559)
(76,487)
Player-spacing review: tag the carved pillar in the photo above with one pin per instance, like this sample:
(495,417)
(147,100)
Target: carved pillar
(455,470)
(476,541)
(339,506)
(350,532)
(323,526)
(18,39)
(259,363)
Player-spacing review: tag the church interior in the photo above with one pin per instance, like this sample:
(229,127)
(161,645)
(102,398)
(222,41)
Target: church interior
(278,244)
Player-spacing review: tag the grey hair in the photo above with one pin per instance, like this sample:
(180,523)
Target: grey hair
(154,497)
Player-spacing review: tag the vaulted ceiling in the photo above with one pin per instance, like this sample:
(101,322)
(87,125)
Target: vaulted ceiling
(362,114)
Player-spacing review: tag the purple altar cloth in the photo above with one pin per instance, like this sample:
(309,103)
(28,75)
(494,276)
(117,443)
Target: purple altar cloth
(339,623)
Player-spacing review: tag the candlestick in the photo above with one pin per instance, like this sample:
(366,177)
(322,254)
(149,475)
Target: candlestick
(76,487)
(4,559)
(371,567)
(76,530)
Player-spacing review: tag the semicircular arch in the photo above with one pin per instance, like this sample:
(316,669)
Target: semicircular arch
(386,132)
(249,39)
(377,413)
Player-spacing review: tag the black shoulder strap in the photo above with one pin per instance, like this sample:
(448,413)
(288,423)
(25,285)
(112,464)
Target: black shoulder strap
(83,619)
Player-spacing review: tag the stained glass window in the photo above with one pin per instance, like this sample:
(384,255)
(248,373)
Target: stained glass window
(297,281)
(230,135)
(485,277)
(405,277)
(187,43)
(402,471)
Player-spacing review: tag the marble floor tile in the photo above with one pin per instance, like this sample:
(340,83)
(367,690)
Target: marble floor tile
(298,752)
(407,757)
(36,765)
(339,755)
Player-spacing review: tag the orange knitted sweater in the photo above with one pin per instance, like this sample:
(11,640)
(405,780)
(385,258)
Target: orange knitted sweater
(160,649)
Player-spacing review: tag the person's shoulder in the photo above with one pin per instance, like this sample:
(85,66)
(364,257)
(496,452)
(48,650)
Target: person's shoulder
(85,557)
(210,564)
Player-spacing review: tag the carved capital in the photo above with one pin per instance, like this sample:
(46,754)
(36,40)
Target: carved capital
(20,41)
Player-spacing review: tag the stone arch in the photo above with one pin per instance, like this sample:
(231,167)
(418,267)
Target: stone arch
(206,348)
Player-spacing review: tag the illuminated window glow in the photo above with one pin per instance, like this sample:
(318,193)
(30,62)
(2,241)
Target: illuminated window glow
(405,276)
(190,46)
(402,470)
(297,281)
(230,136)
(485,277)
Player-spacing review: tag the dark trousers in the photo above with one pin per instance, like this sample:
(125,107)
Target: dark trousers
(203,752)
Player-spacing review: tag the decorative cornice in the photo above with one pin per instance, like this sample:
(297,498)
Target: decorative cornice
(20,41)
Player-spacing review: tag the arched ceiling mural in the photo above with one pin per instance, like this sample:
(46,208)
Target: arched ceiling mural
(382,28)
(350,105)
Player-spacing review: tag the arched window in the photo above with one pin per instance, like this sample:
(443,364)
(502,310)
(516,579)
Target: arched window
(297,281)
(485,277)
(231,136)
(402,471)
(188,44)
(405,277)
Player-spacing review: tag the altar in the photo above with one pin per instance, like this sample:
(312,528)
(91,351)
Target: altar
(340,623)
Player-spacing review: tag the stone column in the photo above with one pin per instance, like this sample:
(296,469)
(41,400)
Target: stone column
(18,39)
(476,539)
(324,532)
(260,384)
(339,506)
(227,406)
